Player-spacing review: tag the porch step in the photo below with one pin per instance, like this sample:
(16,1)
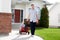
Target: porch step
(16,25)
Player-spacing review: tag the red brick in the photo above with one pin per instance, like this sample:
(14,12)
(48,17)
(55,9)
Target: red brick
(5,22)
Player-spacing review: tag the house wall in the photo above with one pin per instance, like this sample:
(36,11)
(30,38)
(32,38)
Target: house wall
(21,7)
(36,3)
(54,15)
(5,16)
(0,4)
(26,6)
(5,6)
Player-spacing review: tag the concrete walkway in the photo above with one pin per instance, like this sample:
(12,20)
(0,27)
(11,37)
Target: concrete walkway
(27,37)
(14,36)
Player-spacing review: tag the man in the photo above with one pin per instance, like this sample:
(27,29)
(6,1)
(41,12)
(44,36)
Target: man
(33,19)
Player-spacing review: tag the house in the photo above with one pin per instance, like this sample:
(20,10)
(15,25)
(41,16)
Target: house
(54,15)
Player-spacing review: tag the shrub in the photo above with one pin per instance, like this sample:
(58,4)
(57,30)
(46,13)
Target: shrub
(44,20)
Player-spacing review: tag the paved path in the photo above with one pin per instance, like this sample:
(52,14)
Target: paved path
(14,36)
(27,37)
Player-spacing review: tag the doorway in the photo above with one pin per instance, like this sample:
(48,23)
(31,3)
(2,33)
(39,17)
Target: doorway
(17,15)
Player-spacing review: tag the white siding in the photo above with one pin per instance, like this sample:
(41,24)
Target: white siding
(36,3)
(5,6)
(54,15)
(21,7)
(26,6)
(0,4)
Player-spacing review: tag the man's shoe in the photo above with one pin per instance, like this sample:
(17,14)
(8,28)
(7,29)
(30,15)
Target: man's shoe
(32,35)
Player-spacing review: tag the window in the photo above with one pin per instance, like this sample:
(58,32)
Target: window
(24,0)
(21,16)
(59,18)
(30,0)
(12,15)
(19,0)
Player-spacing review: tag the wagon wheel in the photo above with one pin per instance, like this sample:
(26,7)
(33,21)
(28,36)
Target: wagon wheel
(28,33)
(20,32)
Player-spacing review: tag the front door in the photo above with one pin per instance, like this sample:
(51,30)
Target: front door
(17,16)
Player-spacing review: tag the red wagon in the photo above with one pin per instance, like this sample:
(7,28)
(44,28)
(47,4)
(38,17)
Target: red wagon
(23,28)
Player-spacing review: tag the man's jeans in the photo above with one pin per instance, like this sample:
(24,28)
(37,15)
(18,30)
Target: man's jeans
(32,26)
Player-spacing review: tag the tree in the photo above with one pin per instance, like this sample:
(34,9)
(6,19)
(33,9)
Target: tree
(44,20)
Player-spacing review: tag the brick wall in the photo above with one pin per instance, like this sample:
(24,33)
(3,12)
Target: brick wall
(5,22)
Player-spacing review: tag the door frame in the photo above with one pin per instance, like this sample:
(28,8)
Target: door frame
(20,14)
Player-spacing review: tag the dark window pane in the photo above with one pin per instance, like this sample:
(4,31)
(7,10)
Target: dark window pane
(21,15)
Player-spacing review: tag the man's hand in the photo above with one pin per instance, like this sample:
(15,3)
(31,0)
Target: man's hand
(27,20)
(37,21)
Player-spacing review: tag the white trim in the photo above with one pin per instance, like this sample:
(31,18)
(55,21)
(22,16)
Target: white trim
(20,15)
(5,12)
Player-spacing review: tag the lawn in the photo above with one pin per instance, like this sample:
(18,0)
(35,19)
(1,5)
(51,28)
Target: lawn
(48,33)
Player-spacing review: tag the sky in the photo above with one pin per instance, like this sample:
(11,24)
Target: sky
(53,1)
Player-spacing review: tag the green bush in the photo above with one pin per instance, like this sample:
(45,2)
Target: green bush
(44,20)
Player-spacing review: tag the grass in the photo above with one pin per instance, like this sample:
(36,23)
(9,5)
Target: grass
(48,33)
